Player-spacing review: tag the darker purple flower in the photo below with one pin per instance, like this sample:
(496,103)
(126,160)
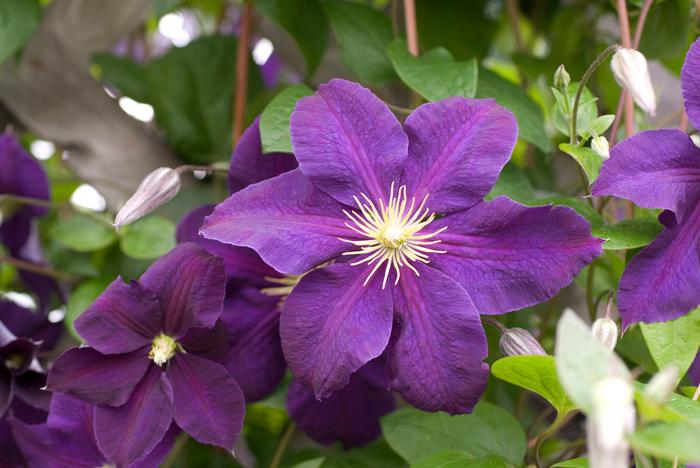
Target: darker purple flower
(404,278)
(67,439)
(661,169)
(156,353)
(694,371)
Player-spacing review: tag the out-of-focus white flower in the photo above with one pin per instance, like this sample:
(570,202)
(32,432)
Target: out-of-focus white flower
(519,342)
(696,139)
(612,419)
(631,71)
(600,145)
(605,330)
(662,385)
(159,187)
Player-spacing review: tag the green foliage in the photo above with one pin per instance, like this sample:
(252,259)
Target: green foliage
(537,374)
(82,234)
(666,29)
(669,440)
(489,430)
(80,299)
(674,343)
(573,463)
(457,459)
(434,75)
(588,159)
(274,121)
(628,234)
(148,238)
(363,34)
(18,21)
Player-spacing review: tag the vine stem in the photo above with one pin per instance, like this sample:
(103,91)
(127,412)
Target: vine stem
(239,100)
(282,447)
(52,205)
(409,7)
(514,17)
(38,269)
(559,422)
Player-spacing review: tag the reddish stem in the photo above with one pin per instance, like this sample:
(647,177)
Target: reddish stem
(409,7)
(640,24)
(240,93)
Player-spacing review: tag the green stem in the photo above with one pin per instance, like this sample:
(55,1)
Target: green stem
(282,447)
(589,291)
(54,205)
(582,84)
(175,452)
(38,269)
(557,424)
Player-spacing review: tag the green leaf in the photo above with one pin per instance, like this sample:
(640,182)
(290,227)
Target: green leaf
(507,94)
(573,463)
(434,75)
(313,463)
(586,115)
(601,124)
(675,342)
(628,234)
(537,374)
(128,76)
(363,34)
(82,234)
(378,453)
(457,459)
(666,29)
(80,299)
(633,347)
(148,238)
(588,159)
(18,21)
(305,21)
(513,183)
(577,204)
(274,121)
(669,440)
(582,361)
(489,430)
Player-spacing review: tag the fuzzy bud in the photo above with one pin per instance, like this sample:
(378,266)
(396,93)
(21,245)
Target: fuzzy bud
(561,78)
(631,71)
(600,145)
(519,342)
(159,187)
(662,385)
(612,419)
(605,331)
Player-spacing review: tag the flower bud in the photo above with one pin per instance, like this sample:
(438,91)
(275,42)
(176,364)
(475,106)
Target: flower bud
(662,385)
(611,420)
(600,145)
(631,72)
(695,137)
(561,78)
(159,187)
(605,331)
(519,342)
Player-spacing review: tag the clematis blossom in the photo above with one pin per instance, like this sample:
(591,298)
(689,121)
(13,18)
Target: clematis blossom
(255,299)
(399,252)
(67,439)
(155,354)
(661,169)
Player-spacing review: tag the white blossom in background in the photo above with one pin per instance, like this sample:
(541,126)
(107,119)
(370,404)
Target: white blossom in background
(262,51)
(42,149)
(631,71)
(662,385)
(613,417)
(86,196)
(138,110)
(21,299)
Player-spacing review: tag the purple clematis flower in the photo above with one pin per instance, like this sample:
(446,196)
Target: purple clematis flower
(404,278)
(156,353)
(661,169)
(254,301)
(694,371)
(67,438)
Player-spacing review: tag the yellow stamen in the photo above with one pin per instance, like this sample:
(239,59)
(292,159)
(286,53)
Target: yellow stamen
(162,349)
(393,233)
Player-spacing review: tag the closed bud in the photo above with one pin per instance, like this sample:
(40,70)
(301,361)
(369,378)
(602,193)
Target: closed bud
(159,187)
(609,423)
(662,385)
(561,78)
(605,331)
(519,342)
(600,145)
(631,71)
(695,137)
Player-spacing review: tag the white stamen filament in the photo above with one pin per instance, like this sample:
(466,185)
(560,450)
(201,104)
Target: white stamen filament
(392,233)
(162,349)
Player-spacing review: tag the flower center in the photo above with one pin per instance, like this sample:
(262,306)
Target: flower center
(393,233)
(162,349)
(284,288)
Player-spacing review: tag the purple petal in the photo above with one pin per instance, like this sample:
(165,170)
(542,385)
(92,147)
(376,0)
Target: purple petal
(21,174)
(694,371)
(287,220)
(207,402)
(654,169)
(210,343)
(73,415)
(241,263)
(508,256)
(662,282)
(347,141)
(332,325)
(256,360)
(25,323)
(7,391)
(350,415)
(28,388)
(44,446)
(249,165)
(161,451)
(11,456)
(190,284)
(457,148)
(690,83)
(438,345)
(101,379)
(123,318)
(129,432)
